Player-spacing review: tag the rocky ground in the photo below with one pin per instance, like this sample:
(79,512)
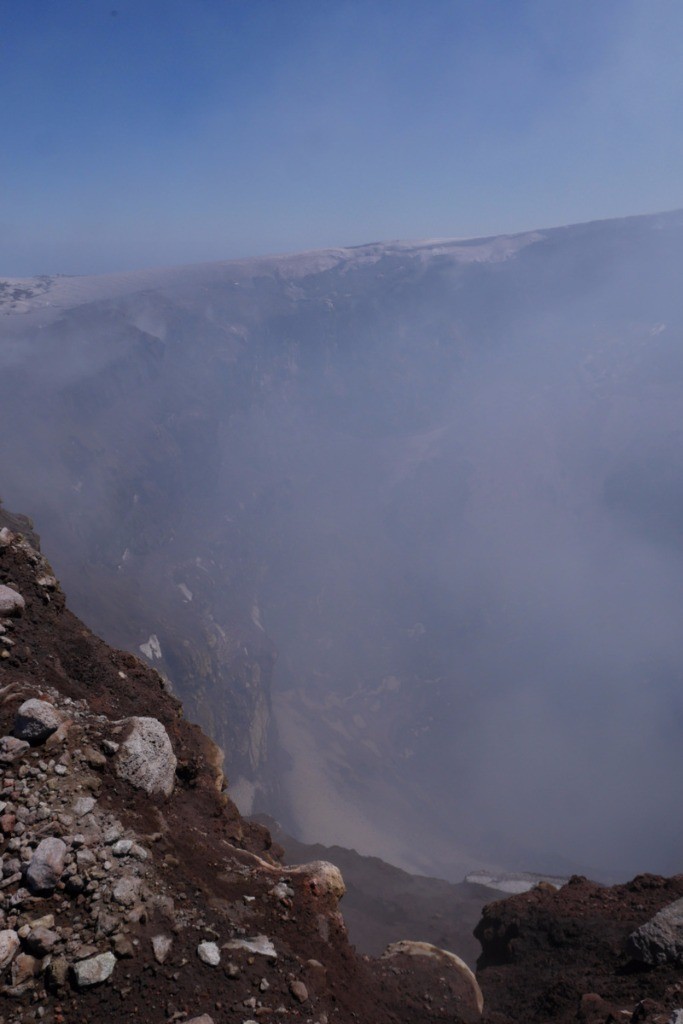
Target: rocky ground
(132,890)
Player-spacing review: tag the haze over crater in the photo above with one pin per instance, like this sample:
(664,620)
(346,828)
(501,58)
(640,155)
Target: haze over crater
(401,524)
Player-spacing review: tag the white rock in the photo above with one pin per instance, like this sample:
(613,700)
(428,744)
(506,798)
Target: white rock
(94,970)
(145,757)
(204,1019)
(36,720)
(209,953)
(161,944)
(127,891)
(9,944)
(6,537)
(46,866)
(259,944)
(11,601)
(84,805)
(122,847)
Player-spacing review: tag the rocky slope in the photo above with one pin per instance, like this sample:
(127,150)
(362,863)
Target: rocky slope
(131,887)
(132,890)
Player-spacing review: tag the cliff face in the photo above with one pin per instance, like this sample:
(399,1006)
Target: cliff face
(131,887)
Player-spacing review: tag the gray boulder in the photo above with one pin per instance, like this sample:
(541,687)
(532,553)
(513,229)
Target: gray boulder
(46,866)
(36,720)
(94,971)
(11,601)
(659,940)
(145,758)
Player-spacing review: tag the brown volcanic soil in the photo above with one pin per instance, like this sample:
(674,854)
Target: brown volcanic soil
(560,955)
(208,875)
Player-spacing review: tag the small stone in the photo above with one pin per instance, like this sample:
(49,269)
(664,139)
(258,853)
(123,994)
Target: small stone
(209,953)
(123,947)
(9,944)
(40,941)
(299,991)
(122,847)
(126,892)
(112,835)
(84,805)
(94,758)
(47,581)
(11,601)
(204,1019)
(11,749)
(6,537)
(36,720)
(94,970)
(74,886)
(59,736)
(85,859)
(161,944)
(109,747)
(56,973)
(46,866)
(24,967)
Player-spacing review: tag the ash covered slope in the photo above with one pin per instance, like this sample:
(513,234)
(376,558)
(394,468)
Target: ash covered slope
(132,889)
(418,506)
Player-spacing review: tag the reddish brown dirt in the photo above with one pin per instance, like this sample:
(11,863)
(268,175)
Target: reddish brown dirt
(543,951)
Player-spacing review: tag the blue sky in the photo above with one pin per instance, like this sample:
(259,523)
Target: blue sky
(155,132)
